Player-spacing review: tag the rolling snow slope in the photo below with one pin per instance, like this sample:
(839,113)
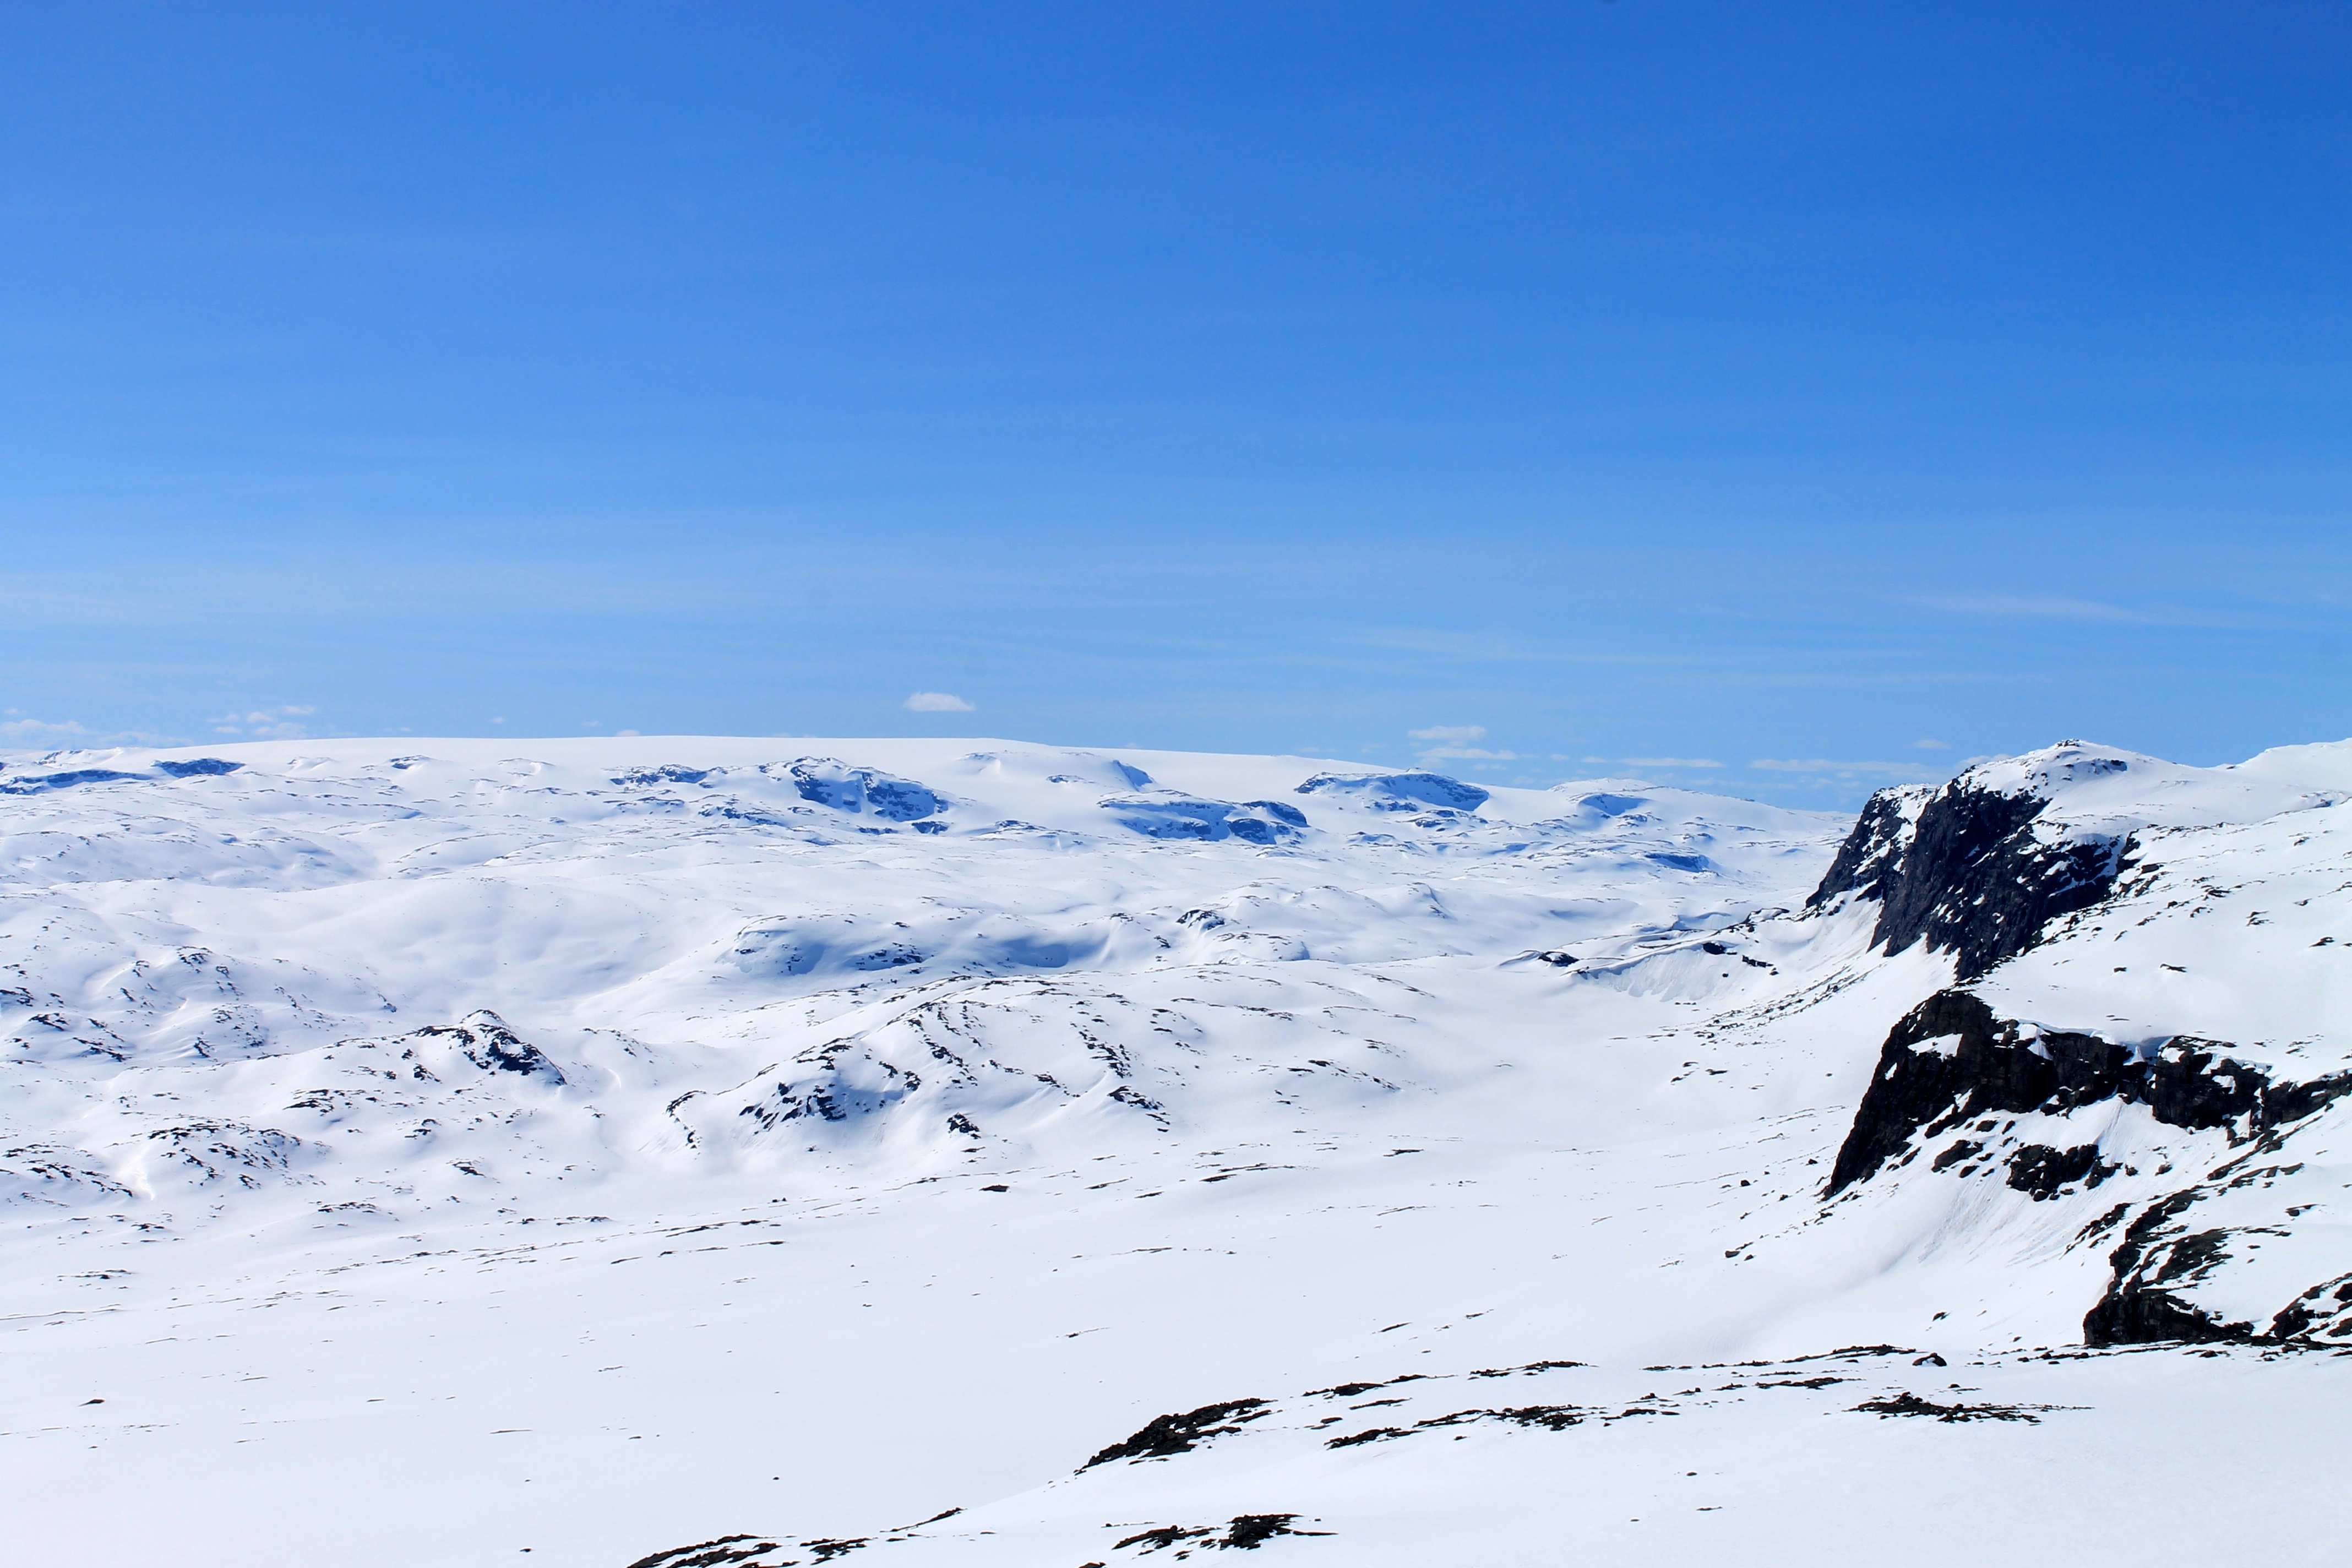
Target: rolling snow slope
(456,1152)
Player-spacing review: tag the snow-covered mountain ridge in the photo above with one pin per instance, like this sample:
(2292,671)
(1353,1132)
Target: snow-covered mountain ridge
(504,1116)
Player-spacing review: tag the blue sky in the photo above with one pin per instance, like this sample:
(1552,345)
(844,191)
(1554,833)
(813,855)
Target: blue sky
(1822,394)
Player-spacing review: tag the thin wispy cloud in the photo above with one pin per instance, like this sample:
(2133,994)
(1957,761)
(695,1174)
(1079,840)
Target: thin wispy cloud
(18,728)
(35,731)
(936,702)
(1452,743)
(1668,761)
(2029,607)
(281,724)
(1825,765)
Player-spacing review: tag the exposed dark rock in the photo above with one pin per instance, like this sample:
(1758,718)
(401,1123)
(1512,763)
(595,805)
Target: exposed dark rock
(1248,1529)
(1907,1403)
(707,1553)
(1169,1434)
(489,1044)
(1370,1434)
(1951,1064)
(2156,1259)
(1872,846)
(1965,1148)
(198,767)
(1963,869)
(1350,1390)
(223,1151)
(1551,1418)
(2312,1307)
(1982,1065)
(2042,1171)
(1530,1368)
(1246,1532)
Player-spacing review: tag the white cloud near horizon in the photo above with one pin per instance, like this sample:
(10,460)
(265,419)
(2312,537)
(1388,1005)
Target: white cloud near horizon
(1665,761)
(936,702)
(71,736)
(267,724)
(1454,743)
(39,730)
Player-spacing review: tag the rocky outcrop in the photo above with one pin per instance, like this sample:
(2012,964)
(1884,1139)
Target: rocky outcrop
(2158,1258)
(1968,869)
(483,1038)
(1169,1434)
(1873,847)
(1951,1064)
(1950,1061)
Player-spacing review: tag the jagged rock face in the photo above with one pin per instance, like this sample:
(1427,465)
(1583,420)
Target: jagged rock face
(1977,1064)
(1951,1064)
(1949,1060)
(1874,847)
(1965,867)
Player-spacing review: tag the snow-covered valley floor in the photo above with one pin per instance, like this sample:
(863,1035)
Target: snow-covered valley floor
(695,1151)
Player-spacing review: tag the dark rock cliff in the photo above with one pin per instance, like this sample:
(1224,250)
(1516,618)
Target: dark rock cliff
(1964,868)
(1995,1065)
(1950,1063)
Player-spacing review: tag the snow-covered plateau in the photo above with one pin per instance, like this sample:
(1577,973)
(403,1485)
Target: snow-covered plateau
(682,1151)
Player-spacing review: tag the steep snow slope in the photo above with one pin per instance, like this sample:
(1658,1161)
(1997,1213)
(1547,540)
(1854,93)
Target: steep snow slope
(444,1151)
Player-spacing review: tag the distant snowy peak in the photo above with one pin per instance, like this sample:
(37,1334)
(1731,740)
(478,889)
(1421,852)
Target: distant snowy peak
(1399,792)
(2093,789)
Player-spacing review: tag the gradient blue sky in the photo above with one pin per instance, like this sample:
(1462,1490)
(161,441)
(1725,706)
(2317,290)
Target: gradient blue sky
(1844,388)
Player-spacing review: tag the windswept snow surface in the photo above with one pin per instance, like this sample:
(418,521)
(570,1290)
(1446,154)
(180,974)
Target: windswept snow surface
(689,1151)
